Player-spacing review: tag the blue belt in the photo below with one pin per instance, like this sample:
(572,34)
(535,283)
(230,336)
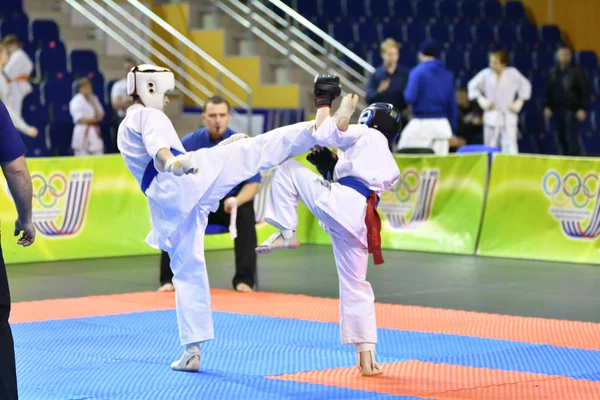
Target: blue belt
(357,185)
(151,172)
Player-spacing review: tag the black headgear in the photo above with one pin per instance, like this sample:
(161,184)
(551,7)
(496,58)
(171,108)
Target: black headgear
(383,117)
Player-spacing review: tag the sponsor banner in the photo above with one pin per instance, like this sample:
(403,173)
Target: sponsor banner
(436,205)
(82,208)
(545,208)
(88,207)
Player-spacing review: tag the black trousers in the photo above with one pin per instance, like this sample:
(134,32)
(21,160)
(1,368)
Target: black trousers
(245,245)
(8,371)
(568,132)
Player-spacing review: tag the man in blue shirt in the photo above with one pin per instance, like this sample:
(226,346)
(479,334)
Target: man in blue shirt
(17,176)
(216,117)
(387,83)
(430,91)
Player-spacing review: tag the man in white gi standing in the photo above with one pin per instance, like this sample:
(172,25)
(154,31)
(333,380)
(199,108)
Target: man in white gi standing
(183,188)
(501,92)
(363,169)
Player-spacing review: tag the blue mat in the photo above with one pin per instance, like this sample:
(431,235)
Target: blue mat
(127,357)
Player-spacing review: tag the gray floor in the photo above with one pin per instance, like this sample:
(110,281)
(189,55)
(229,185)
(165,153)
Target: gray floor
(514,287)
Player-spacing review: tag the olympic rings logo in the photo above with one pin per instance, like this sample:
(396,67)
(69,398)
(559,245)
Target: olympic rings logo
(47,192)
(571,189)
(407,186)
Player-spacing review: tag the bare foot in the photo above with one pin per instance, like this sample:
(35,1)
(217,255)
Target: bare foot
(366,363)
(244,288)
(167,287)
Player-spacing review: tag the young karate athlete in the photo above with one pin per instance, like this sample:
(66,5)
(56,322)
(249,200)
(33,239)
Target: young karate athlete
(363,169)
(183,188)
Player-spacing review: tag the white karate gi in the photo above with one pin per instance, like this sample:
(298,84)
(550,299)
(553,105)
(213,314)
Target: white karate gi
(17,71)
(179,206)
(119,89)
(427,133)
(363,154)
(506,93)
(16,117)
(87,138)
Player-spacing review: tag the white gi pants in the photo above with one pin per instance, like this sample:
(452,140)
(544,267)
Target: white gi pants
(243,159)
(292,181)
(428,133)
(16,94)
(504,137)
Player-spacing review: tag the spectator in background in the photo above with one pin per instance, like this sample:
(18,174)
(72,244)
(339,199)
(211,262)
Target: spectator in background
(501,91)
(216,117)
(17,72)
(388,82)
(430,91)
(567,98)
(470,121)
(87,112)
(17,120)
(14,167)
(118,96)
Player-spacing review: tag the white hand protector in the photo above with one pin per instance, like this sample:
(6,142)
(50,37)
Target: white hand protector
(484,103)
(346,108)
(232,203)
(516,106)
(180,165)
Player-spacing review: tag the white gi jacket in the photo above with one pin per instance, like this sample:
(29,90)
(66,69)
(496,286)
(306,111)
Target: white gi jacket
(17,71)
(86,136)
(506,94)
(363,154)
(16,117)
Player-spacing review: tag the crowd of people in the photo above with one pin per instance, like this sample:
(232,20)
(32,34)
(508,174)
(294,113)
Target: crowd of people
(440,118)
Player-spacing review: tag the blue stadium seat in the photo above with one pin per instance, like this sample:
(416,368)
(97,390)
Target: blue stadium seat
(483,35)
(379,10)
(37,146)
(367,33)
(596,85)
(462,81)
(587,60)
(308,9)
(414,32)
(589,134)
(402,9)
(33,112)
(59,112)
(492,10)
(11,7)
(527,33)
(514,11)
(550,35)
(477,60)
(424,9)
(330,9)
(56,91)
(521,60)
(60,138)
(538,86)
(51,59)
(44,29)
(448,10)
(438,32)
(469,10)
(83,62)
(343,32)
(460,33)
(374,58)
(355,9)
(392,30)
(506,35)
(455,60)
(543,60)
(408,57)
(18,26)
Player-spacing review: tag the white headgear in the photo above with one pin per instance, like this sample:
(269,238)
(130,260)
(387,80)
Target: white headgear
(150,83)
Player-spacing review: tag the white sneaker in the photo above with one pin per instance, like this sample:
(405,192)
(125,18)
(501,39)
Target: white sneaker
(278,241)
(233,138)
(189,361)
(167,287)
